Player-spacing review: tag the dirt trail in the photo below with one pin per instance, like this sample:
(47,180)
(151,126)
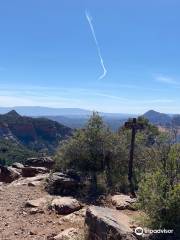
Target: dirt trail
(16,221)
(19,222)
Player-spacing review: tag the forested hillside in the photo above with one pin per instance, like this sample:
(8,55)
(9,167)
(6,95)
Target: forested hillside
(24,136)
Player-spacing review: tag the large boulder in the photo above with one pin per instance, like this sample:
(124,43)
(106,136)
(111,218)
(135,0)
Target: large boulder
(40,162)
(33,171)
(65,205)
(8,174)
(62,184)
(121,202)
(105,223)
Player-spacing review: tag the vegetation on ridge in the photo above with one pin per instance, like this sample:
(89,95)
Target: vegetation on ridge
(30,135)
(101,156)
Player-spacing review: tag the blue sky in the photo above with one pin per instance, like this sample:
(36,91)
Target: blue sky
(48,56)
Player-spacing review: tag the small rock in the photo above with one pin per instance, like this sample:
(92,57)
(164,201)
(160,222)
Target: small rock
(34,184)
(122,202)
(36,203)
(36,210)
(32,233)
(24,213)
(68,234)
(51,237)
(17,165)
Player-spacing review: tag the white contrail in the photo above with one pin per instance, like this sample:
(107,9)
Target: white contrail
(89,19)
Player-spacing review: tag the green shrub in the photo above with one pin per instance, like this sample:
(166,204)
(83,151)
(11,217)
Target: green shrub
(99,154)
(160,201)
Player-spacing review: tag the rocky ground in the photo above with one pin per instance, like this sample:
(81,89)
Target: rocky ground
(18,222)
(28,211)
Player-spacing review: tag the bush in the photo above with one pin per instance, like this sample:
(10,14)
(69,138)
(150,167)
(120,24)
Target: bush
(160,201)
(97,153)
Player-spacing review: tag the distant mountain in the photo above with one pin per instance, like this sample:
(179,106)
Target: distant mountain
(34,133)
(70,121)
(158,118)
(71,117)
(176,120)
(46,111)
(80,121)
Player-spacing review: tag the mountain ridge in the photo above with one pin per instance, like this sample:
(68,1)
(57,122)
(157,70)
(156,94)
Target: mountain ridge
(77,117)
(34,133)
(45,111)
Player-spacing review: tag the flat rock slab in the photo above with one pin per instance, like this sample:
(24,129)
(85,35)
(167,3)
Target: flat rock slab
(105,223)
(122,201)
(27,181)
(40,202)
(65,205)
(40,162)
(68,234)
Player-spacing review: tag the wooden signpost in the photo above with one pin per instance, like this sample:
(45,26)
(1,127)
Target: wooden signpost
(134,126)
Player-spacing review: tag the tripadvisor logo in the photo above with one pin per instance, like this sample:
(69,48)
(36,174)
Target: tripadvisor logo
(140,231)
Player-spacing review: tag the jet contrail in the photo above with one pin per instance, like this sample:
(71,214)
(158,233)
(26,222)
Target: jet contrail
(89,19)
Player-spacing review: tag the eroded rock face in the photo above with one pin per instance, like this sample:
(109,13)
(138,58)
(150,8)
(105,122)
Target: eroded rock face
(40,162)
(8,174)
(122,202)
(62,184)
(105,223)
(65,205)
(33,171)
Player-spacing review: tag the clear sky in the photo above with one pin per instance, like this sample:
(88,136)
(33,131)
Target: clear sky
(49,57)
